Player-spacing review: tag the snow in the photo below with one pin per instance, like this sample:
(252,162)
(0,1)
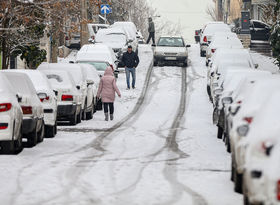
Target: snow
(265,63)
(153,153)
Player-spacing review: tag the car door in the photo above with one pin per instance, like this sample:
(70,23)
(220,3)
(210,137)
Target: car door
(259,31)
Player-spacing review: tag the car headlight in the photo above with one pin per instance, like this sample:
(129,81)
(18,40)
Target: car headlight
(158,53)
(182,54)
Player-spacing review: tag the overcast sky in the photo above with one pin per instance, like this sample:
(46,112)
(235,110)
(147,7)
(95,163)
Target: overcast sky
(190,13)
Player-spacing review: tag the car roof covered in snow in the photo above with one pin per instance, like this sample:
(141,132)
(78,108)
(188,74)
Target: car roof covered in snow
(21,83)
(210,29)
(92,73)
(74,69)
(60,79)
(38,79)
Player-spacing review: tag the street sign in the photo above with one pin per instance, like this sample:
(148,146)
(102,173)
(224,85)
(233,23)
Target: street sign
(106,9)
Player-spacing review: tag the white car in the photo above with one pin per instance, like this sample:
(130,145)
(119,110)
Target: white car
(68,96)
(79,76)
(94,28)
(262,136)
(271,177)
(222,40)
(99,55)
(171,50)
(10,118)
(131,30)
(48,99)
(207,33)
(32,109)
(116,38)
(93,80)
(243,118)
(230,57)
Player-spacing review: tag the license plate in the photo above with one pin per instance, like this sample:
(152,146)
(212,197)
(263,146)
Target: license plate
(171,58)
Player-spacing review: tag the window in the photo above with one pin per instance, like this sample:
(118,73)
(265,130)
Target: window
(258,24)
(171,42)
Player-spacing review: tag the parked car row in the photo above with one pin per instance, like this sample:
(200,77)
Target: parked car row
(246,112)
(33,101)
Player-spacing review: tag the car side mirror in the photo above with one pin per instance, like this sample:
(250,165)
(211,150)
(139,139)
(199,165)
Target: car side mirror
(256,66)
(19,97)
(130,41)
(72,62)
(227,100)
(188,46)
(78,87)
(55,92)
(117,61)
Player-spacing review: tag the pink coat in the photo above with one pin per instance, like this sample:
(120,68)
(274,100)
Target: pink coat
(108,87)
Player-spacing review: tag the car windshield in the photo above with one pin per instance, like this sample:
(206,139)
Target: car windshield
(171,42)
(100,66)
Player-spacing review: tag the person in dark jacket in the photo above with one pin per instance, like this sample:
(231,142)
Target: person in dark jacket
(130,60)
(151,31)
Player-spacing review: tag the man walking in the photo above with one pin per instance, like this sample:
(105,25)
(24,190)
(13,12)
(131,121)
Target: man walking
(130,60)
(151,30)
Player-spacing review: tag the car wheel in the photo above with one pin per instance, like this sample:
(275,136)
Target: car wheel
(201,54)
(50,131)
(32,138)
(232,170)
(41,133)
(84,115)
(245,195)
(238,178)
(227,143)
(220,132)
(185,64)
(89,115)
(155,63)
(206,63)
(79,117)
(73,119)
(55,127)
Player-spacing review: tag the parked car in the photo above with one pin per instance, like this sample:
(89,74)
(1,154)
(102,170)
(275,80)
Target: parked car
(94,28)
(271,176)
(68,96)
(262,136)
(79,76)
(93,80)
(227,57)
(131,31)
(99,55)
(207,33)
(73,41)
(242,119)
(10,118)
(222,40)
(171,50)
(259,30)
(115,38)
(32,109)
(197,35)
(48,99)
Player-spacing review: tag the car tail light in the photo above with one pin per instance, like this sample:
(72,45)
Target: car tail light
(239,102)
(3,126)
(196,33)
(213,50)
(66,38)
(205,39)
(93,37)
(67,97)
(5,107)
(43,97)
(26,110)
(278,190)
(248,119)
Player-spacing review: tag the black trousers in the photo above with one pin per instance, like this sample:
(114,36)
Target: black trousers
(108,106)
(151,36)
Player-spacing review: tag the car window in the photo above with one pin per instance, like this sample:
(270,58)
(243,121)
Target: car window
(258,24)
(100,66)
(171,42)
(55,77)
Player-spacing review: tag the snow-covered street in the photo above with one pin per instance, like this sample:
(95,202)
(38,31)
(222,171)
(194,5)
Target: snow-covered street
(160,149)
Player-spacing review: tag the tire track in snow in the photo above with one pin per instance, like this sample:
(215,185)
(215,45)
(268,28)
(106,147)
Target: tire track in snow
(170,171)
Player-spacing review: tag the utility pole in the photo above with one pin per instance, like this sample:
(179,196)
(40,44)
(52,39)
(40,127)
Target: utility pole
(84,20)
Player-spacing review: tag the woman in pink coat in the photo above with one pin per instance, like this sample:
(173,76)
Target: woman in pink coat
(106,90)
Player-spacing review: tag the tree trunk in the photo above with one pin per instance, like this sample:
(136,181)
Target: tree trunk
(5,55)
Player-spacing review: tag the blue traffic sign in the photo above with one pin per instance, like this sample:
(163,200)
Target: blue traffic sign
(106,9)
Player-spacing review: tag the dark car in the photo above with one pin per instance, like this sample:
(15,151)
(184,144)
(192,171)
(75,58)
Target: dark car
(259,30)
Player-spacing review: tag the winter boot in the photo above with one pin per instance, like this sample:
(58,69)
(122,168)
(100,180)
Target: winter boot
(106,116)
(111,116)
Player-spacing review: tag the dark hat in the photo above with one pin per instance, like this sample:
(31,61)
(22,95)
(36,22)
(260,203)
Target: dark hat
(129,46)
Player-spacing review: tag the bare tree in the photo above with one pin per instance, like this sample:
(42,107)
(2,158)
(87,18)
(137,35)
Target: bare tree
(211,12)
